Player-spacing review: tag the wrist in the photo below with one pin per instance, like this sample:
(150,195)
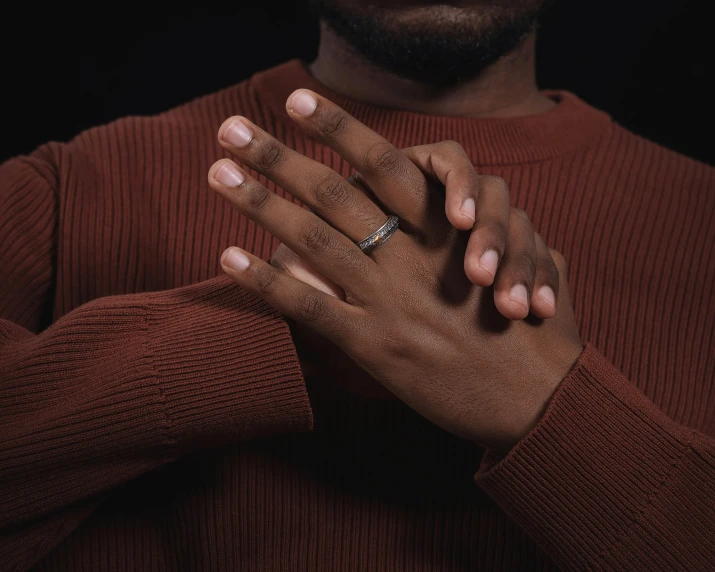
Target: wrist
(536,402)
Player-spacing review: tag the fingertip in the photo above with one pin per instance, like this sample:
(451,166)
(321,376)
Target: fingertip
(459,221)
(226,123)
(234,259)
(215,168)
(226,173)
(512,311)
(543,303)
(235,131)
(459,216)
(212,171)
(302,102)
(541,310)
(477,274)
(513,305)
(468,209)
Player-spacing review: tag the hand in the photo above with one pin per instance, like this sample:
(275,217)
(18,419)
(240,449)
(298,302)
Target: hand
(503,248)
(410,317)
(447,164)
(502,234)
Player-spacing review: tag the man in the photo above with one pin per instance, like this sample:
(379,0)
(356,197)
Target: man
(155,416)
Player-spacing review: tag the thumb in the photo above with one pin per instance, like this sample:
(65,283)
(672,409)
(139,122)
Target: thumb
(288,261)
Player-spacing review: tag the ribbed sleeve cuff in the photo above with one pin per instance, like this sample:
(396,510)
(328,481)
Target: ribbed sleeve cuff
(227,366)
(592,482)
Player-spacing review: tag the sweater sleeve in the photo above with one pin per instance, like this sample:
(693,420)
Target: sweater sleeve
(120,385)
(606,481)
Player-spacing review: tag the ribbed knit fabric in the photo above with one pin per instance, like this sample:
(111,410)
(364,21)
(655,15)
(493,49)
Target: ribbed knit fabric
(153,416)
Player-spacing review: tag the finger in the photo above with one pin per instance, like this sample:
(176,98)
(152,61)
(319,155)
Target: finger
(330,252)
(546,282)
(288,261)
(324,314)
(397,182)
(563,299)
(449,164)
(514,281)
(564,308)
(488,239)
(315,185)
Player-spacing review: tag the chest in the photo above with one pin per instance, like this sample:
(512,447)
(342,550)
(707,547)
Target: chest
(635,271)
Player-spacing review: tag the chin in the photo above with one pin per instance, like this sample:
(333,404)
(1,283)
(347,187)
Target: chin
(437,43)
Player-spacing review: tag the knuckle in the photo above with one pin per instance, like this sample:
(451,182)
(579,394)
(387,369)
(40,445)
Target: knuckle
(270,156)
(496,232)
(454,145)
(521,217)
(383,157)
(266,278)
(332,191)
(559,260)
(497,183)
(311,307)
(520,214)
(257,196)
(393,345)
(334,124)
(315,238)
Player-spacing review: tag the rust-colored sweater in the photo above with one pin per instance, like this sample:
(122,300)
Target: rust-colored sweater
(153,415)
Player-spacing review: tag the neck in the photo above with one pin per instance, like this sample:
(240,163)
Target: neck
(507,88)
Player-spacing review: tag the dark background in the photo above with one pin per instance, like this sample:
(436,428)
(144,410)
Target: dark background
(643,61)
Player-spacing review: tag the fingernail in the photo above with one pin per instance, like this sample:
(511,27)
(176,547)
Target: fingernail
(489,261)
(228,175)
(302,103)
(518,294)
(237,134)
(547,295)
(234,259)
(469,209)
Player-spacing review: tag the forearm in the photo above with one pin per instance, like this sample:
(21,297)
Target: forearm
(607,481)
(125,384)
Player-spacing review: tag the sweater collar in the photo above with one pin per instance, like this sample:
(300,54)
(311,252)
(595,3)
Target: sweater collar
(570,125)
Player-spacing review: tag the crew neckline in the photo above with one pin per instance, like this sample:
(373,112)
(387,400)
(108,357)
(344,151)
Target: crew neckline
(568,126)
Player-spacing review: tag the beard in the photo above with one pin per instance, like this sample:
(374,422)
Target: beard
(435,45)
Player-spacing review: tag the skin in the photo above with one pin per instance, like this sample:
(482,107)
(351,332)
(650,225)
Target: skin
(409,313)
(506,88)
(514,367)
(503,250)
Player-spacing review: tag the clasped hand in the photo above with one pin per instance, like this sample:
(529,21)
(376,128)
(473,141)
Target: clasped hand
(436,313)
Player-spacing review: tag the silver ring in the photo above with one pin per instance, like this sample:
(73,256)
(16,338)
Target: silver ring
(380,235)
